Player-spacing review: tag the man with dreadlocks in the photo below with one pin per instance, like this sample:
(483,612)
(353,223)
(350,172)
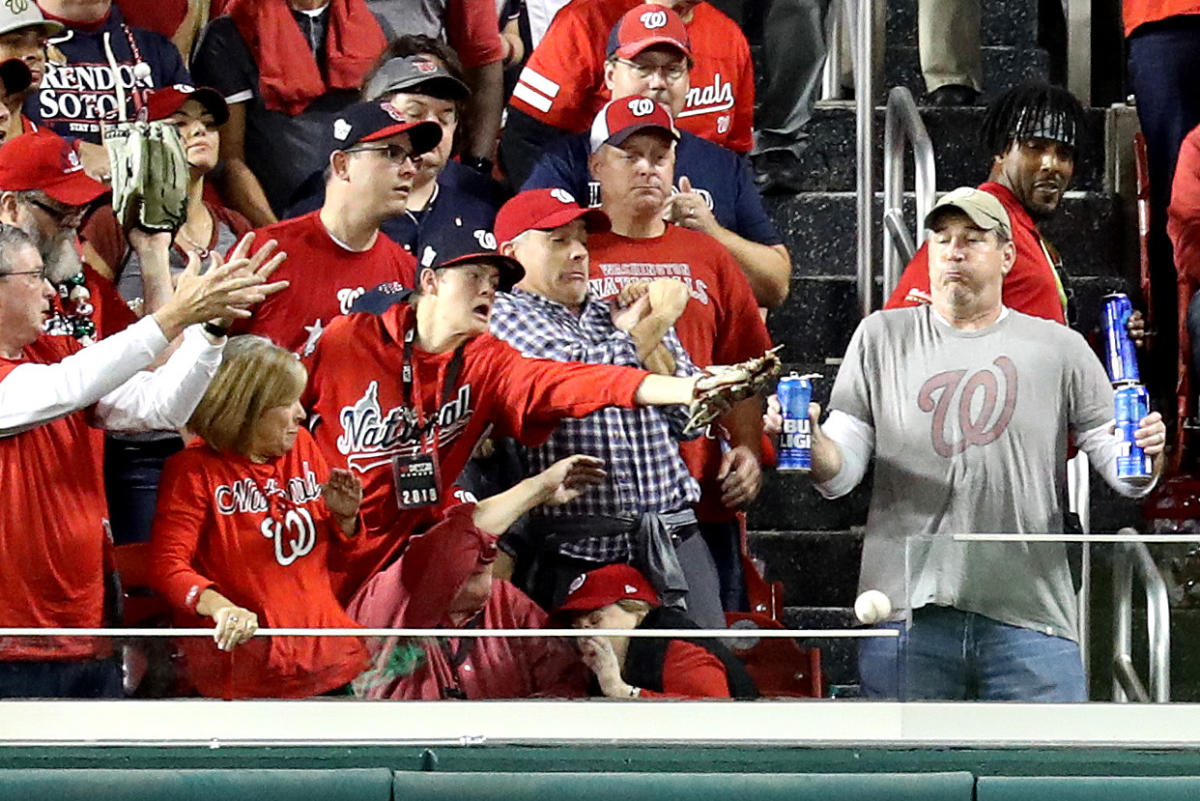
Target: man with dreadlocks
(1031,131)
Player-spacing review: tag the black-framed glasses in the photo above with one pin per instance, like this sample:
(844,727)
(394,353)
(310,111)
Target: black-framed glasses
(671,72)
(71,217)
(41,274)
(393,152)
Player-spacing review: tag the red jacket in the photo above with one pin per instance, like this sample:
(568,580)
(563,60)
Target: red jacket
(260,535)
(1032,286)
(361,421)
(1183,216)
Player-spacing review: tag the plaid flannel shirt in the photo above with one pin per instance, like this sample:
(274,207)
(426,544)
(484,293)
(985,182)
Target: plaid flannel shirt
(640,447)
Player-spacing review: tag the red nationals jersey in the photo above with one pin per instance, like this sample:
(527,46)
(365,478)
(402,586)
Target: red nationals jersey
(51,527)
(1031,286)
(562,84)
(721,324)
(360,419)
(260,535)
(326,279)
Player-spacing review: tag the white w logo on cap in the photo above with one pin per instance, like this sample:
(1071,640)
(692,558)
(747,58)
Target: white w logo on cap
(641,106)
(654,19)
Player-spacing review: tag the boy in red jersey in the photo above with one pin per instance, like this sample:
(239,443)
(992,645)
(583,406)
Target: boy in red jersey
(336,253)
(633,158)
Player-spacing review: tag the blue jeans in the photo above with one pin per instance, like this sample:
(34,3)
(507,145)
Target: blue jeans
(949,655)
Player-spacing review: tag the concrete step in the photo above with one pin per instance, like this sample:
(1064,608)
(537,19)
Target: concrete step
(1003,68)
(1010,22)
(829,164)
(817,568)
(839,657)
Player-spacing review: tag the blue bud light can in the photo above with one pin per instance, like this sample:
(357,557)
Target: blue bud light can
(795,441)
(1132,404)
(1121,359)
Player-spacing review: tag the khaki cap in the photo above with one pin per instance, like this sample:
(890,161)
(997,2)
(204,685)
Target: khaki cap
(983,208)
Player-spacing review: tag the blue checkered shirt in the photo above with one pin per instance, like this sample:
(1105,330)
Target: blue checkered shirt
(640,447)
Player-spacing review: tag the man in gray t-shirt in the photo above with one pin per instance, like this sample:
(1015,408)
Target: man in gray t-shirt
(967,407)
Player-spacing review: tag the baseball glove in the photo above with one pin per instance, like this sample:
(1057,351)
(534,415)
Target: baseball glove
(149,175)
(722,386)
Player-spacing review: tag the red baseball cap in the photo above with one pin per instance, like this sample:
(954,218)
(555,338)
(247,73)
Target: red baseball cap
(621,119)
(44,160)
(605,586)
(544,210)
(162,103)
(646,26)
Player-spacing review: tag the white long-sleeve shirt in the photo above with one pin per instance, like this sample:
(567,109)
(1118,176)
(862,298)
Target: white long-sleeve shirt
(111,374)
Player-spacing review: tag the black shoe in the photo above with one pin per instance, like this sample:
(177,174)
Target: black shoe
(778,172)
(952,94)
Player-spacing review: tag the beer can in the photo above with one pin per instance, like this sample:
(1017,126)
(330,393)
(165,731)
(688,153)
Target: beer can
(1132,404)
(1120,355)
(795,441)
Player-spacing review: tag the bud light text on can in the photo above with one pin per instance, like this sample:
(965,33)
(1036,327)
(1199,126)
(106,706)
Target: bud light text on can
(1119,353)
(1132,404)
(795,441)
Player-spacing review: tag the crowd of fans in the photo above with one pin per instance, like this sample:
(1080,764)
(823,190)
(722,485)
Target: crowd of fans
(415,359)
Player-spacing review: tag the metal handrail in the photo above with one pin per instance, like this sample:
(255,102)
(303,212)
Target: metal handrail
(864,93)
(1127,558)
(902,125)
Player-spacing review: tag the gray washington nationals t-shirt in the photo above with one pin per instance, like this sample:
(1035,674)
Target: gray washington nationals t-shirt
(971,436)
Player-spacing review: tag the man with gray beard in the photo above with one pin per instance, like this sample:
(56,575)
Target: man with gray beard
(45,192)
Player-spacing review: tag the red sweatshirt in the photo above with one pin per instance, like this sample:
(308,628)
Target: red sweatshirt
(259,534)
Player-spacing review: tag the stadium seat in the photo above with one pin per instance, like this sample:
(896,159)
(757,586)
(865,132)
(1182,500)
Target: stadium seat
(1088,788)
(779,667)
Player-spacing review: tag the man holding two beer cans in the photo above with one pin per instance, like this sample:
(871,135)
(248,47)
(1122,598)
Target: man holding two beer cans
(966,407)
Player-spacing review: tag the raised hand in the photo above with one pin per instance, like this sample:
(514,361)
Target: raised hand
(567,479)
(342,493)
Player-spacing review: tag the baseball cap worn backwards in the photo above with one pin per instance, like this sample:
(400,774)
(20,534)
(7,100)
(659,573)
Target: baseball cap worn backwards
(544,210)
(646,26)
(45,161)
(15,16)
(162,103)
(621,119)
(375,120)
(982,207)
(418,74)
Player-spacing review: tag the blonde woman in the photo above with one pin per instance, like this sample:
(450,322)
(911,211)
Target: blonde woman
(248,515)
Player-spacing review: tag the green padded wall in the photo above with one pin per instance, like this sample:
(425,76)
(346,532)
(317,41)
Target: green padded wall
(1088,788)
(371,784)
(437,786)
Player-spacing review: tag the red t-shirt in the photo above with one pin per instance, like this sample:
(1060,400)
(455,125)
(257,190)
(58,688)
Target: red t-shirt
(1183,216)
(563,82)
(326,279)
(1138,12)
(260,535)
(161,16)
(51,527)
(690,671)
(1031,286)
(721,324)
(361,420)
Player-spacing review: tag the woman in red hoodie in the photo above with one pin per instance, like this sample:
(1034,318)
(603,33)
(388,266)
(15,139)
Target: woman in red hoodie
(247,517)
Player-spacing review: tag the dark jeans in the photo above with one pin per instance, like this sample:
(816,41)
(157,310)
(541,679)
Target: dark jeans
(97,678)
(951,655)
(132,470)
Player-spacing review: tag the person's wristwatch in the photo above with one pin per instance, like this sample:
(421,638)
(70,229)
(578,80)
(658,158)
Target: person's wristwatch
(478,163)
(214,330)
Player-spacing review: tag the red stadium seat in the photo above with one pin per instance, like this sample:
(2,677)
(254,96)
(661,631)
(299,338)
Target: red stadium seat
(779,667)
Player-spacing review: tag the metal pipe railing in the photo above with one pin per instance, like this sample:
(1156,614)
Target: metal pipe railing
(902,125)
(864,93)
(1128,557)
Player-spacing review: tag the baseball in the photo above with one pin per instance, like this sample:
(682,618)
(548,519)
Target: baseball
(872,606)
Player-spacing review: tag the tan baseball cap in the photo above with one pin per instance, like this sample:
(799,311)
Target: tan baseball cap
(982,207)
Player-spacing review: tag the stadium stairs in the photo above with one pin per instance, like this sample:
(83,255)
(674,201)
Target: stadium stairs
(812,545)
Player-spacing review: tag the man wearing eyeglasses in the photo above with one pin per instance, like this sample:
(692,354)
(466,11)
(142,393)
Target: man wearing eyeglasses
(336,253)
(562,86)
(716,187)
